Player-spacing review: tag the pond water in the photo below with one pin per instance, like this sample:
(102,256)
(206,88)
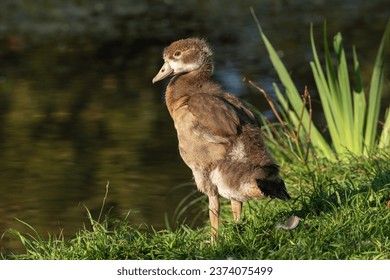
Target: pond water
(78,111)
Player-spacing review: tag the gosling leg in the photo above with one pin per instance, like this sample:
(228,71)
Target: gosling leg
(214,215)
(236,209)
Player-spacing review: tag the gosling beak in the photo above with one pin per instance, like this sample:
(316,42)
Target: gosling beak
(164,72)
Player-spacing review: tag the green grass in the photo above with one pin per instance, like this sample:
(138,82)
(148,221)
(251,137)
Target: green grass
(342,208)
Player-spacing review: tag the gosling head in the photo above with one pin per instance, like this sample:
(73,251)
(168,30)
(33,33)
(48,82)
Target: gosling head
(184,56)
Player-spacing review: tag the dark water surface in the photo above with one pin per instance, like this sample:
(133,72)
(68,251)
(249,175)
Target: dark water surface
(77,107)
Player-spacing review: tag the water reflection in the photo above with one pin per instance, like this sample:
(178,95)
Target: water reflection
(78,109)
(70,127)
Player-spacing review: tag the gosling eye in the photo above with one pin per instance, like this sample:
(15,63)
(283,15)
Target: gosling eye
(177,54)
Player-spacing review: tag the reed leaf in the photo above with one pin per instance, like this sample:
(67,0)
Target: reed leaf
(384,141)
(376,91)
(360,104)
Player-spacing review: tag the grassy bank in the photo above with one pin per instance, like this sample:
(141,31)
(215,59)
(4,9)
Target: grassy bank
(343,210)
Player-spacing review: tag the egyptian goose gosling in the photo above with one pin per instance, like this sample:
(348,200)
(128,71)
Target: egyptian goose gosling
(219,137)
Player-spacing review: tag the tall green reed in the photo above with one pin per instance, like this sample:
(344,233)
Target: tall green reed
(352,122)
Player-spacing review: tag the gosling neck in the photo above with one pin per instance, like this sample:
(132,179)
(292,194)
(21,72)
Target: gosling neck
(182,86)
(188,82)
